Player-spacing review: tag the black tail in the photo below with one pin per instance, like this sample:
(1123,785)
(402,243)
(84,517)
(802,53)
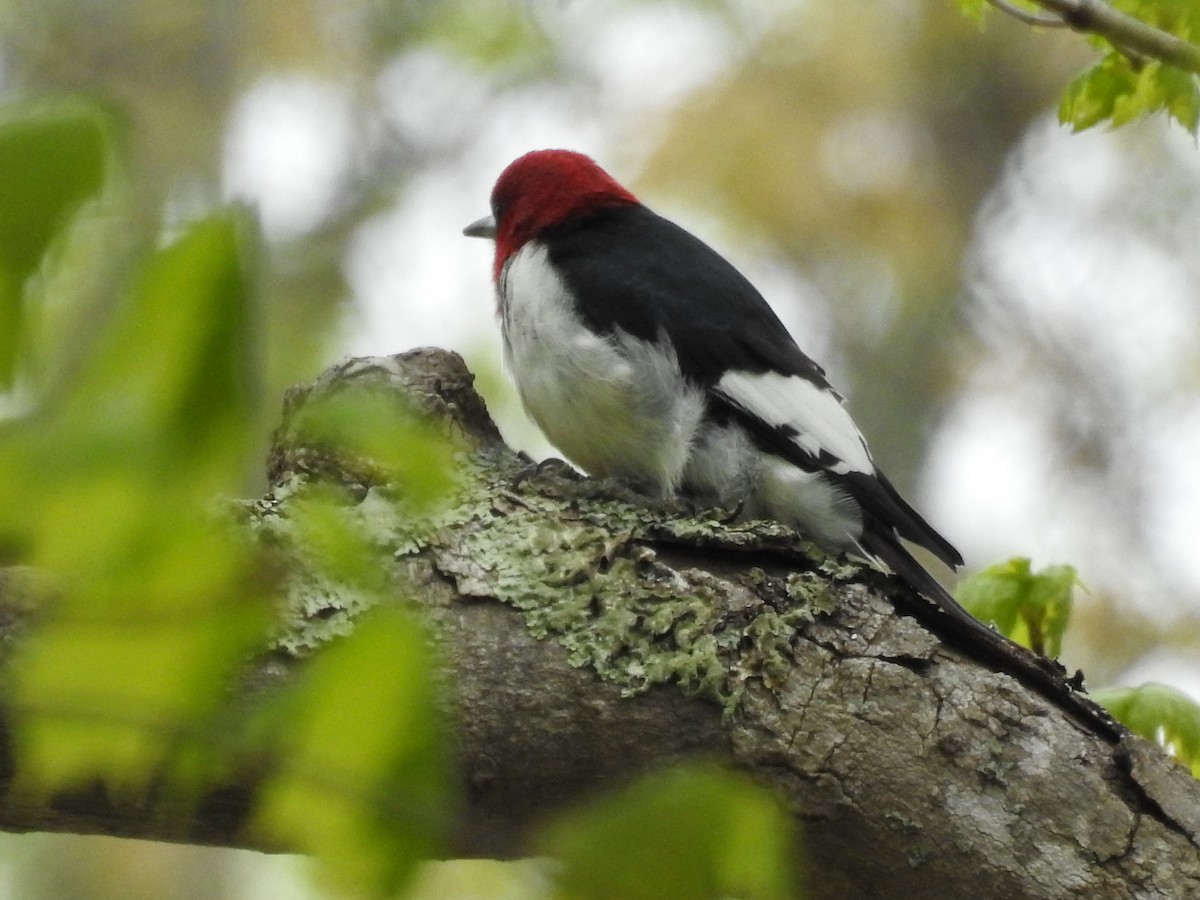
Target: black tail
(1045,676)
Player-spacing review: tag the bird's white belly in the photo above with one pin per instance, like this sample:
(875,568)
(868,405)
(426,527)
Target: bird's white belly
(726,467)
(614,405)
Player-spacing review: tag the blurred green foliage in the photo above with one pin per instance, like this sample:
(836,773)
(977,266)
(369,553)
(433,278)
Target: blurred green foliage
(1114,92)
(691,833)
(104,488)
(489,34)
(50,164)
(1032,608)
(974,9)
(364,787)
(1161,714)
(409,456)
(110,480)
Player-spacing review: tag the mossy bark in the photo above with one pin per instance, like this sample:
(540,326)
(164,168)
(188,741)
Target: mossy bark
(589,635)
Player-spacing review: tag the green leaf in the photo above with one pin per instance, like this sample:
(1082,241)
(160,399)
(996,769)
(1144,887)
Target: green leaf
(689,834)
(1112,91)
(1031,608)
(335,544)
(110,696)
(1091,97)
(51,162)
(974,9)
(387,437)
(179,361)
(1181,97)
(108,492)
(1161,714)
(363,787)
(491,34)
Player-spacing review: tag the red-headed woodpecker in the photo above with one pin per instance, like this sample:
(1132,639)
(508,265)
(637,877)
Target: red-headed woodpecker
(644,355)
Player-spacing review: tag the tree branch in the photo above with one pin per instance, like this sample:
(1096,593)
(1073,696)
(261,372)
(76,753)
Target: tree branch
(588,636)
(1121,30)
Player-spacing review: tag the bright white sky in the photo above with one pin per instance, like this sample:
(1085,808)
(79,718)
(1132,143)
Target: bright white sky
(992,481)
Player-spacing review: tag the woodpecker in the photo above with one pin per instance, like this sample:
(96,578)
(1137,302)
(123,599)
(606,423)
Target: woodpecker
(644,355)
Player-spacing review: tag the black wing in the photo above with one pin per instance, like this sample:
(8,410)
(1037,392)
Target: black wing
(631,268)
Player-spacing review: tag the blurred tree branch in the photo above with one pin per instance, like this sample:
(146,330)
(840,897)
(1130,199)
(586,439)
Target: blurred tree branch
(1123,31)
(1044,20)
(587,638)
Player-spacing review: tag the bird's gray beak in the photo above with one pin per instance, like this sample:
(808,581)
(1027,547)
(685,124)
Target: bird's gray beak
(484,228)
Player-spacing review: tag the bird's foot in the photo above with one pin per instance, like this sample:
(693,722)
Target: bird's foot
(551,466)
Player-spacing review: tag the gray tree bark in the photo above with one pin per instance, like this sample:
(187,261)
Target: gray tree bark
(589,635)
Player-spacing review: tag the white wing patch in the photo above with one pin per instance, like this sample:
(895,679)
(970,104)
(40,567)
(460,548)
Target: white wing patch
(816,415)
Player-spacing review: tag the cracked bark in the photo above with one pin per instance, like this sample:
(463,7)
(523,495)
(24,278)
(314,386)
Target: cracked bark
(589,636)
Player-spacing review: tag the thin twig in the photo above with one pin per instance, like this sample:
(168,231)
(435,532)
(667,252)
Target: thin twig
(1041,20)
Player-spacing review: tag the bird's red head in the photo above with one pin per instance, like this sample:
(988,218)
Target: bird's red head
(544,188)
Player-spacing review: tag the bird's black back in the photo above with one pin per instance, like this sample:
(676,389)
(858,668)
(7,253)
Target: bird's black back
(630,267)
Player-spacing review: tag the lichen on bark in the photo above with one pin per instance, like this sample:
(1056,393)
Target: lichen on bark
(588,634)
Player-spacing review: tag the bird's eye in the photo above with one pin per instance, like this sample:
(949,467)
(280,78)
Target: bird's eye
(498,208)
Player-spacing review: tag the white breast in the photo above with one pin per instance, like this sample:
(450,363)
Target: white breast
(614,405)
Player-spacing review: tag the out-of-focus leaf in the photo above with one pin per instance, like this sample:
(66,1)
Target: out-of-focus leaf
(107,492)
(363,787)
(158,422)
(1181,97)
(1161,714)
(386,436)
(1032,608)
(51,161)
(109,695)
(333,542)
(973,9)
(179,362)
(1090,98)
(492,34)
(1112,91)
(688,834)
